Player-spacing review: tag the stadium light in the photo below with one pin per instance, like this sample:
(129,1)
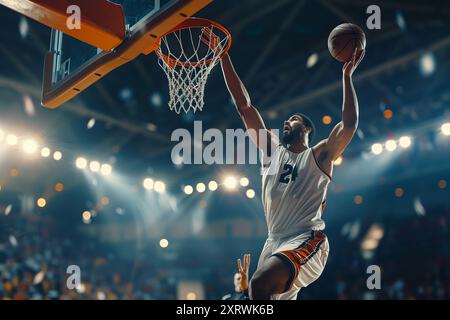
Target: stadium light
(326,119)
(160,186)
(405,142)
(188,189)
(148,183)
(59,187)
(86,215)
(200,187)
(41,202)
(391,145)
(106,169)
(81,163)
(57,155)
(445,129)
(377,148)
(230,183)
(250,193)
(45,152)
(338,161)
(11,139)
(191,296)
(244,182)
(94,166)
(164,243)
(81,288)
(212,185)
(29,146)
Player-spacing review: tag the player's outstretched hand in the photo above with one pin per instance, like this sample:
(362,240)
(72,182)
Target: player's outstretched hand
(351,65)
(243,271)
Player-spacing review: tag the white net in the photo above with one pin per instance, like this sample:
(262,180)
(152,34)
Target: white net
(187,62)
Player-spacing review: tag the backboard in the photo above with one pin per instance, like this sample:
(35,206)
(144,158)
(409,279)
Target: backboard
(72,65)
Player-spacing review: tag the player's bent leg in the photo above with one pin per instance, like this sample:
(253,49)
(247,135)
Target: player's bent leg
(271,278)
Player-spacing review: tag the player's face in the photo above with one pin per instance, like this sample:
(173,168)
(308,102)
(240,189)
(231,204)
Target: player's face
(237,279)
(293,129)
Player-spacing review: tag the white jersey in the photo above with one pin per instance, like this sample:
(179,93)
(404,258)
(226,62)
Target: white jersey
(293,193)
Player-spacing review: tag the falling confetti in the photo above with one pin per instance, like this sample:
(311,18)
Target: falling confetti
(13,241)
(23,27)
(8,209)
(39,277)
(91,123)
(418,207)
(28,106)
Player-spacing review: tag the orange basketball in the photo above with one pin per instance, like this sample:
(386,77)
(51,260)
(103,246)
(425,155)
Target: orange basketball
(343,40)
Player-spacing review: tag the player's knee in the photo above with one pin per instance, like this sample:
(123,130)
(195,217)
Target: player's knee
(259,287)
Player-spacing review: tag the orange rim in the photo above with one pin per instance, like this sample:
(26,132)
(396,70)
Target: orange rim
(194,23)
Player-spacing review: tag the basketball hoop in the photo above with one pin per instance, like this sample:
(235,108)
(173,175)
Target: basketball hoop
(187,59)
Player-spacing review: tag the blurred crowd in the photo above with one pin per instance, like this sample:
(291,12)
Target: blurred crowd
(34,265)
(413,255)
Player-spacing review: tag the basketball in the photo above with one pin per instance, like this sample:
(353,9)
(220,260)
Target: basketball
(343,40)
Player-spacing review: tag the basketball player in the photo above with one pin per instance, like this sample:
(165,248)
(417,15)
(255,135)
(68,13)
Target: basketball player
(294,186)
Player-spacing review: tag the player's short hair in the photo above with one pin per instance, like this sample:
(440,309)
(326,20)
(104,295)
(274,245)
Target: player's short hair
(308,123)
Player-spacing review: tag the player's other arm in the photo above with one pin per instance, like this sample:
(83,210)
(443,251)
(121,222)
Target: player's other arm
(249,114)
(343,132)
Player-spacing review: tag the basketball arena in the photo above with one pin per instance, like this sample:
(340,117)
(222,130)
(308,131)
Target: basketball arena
(129,172)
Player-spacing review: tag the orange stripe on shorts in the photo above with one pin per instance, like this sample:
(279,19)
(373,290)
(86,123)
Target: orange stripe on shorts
(304,252)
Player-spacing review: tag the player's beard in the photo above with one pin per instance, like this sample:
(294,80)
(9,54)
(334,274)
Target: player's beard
(291,136)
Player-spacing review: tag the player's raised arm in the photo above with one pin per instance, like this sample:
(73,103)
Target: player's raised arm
(249,114)
(343,132)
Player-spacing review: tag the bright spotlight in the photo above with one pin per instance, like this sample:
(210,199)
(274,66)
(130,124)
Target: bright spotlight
(188,189)
(427,64)
(104,200)
(59,187)
(86,215)
(164,243)
(200,187)
(11,139)
(369,244)
(57,155)
(41,202)
(445,129)
(45,152)
(160,187)
(404,142)
(377,148)
(338,161)
(94,166)
(191,296)
(106,169)
(391,145)
(230,183)
(250,193)
(148,183)
(29,146)
(81,163)
(244,182)
(312,60)
(212,185)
